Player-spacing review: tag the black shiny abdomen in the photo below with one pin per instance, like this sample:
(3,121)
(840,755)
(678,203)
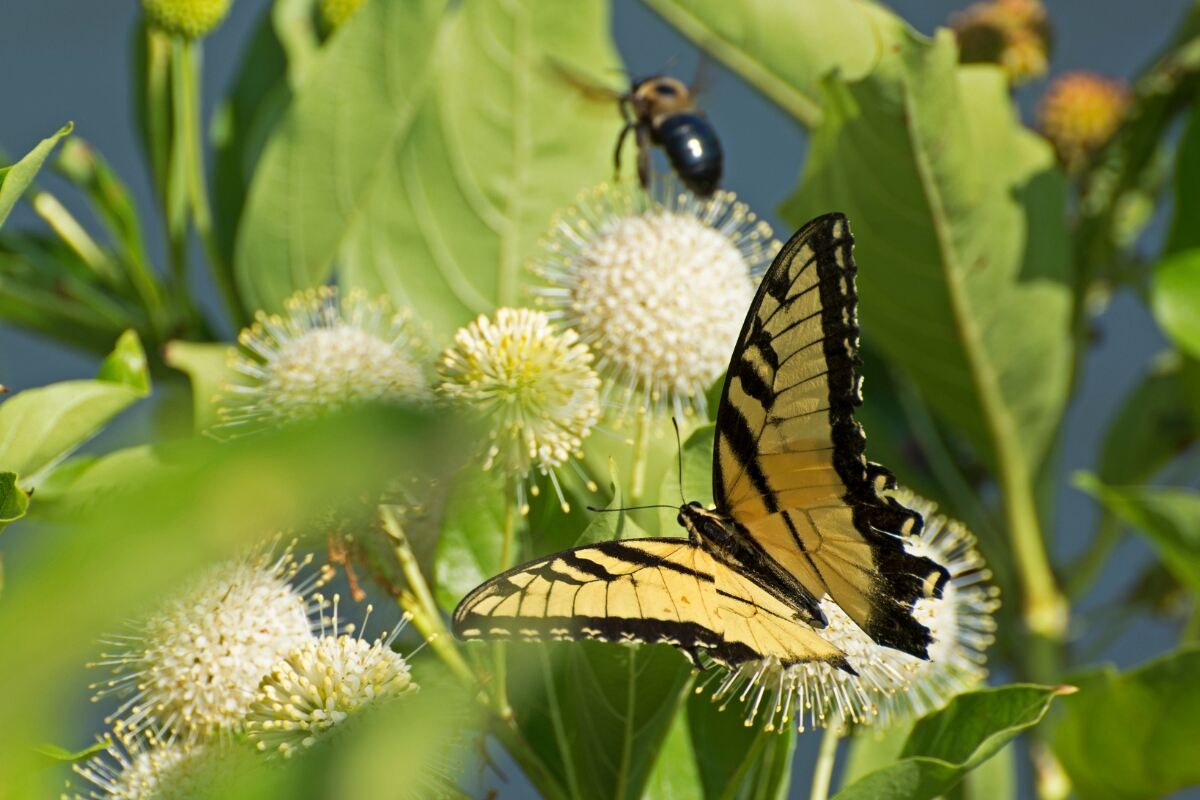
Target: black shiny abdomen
(693,149)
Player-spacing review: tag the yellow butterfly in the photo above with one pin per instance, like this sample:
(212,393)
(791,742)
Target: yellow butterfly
(798,514)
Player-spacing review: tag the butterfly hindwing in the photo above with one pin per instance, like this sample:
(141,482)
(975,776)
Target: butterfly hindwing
(789,464)
(641,590)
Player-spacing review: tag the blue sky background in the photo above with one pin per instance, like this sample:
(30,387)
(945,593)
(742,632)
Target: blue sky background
(68,60)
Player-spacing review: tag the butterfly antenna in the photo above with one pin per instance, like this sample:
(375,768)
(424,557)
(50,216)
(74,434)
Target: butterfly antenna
(679,452)
(629,508)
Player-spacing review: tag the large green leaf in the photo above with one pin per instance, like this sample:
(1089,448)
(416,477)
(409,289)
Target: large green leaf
(959,220)
(40,426)
(468,548)
(737,761)
(1184,234)
(1133,735)
(16,178)
(785,49)
(1175,296)
(1170,519)
(596,713)
(946,745)
(436,148)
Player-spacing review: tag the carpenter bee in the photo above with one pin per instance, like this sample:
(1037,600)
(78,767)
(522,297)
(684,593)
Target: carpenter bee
(661,110)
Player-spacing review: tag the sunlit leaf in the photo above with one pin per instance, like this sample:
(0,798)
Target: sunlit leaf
(785,49)
(472,535)
(959,221)
(1128,736)
(596,713)
(434,181)
(207,367)
(1169,518)
(13,499)
(40,426)
(1175,296)
(947,744)
(16,178)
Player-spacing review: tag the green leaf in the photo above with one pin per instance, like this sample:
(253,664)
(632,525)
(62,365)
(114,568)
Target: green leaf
(1175,297)
(1133,735)
(784,50)
(597,713)
(63,754)
(436,182)
(1156,422)
(871,748)
(1170,519)
(736,760)
(1184,235)
(207,366)
(13,499)
(40,426)
(959,219)
(946,745)
(676,773)
(468,549)
(126,364)
(16,178)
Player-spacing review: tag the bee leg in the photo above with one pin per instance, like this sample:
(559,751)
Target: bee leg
(643,162)
(620,144)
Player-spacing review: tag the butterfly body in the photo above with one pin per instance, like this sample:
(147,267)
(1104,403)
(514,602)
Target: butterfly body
(800,517)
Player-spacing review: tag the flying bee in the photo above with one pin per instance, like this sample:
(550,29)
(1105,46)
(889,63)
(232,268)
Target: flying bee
(661,110)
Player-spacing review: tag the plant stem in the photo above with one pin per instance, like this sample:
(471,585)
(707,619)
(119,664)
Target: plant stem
(188,103)
(822,775)
(641,445)
(507,557)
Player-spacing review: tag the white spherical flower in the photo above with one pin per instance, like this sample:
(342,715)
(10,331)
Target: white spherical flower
(657,284)
(534,386)
(192,668)
(320,685)
(327,352)
(889,684)
(146,769)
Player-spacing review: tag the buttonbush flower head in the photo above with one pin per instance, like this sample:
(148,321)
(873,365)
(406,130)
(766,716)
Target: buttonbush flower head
(322,684)
(1012,33)
(335,12)
(144,768)
(189,18)
(1079,114)
(534,385)
(657,284)
(890,684)
(192,668)
(328,351)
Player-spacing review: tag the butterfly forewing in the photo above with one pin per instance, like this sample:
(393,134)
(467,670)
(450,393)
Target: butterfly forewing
(788,465)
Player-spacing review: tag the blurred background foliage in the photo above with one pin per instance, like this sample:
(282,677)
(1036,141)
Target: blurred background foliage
(419,151)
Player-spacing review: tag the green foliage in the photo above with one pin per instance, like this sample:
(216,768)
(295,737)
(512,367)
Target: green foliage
(947,744)
(41,426)
(597,713)
(958,218)
(13,499)
(1133,735)
(1169,518)
(207,366)
(460,142)
(16,178)
(1176,299)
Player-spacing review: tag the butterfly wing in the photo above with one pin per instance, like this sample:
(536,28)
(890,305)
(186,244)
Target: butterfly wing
(642,590)
(788,464)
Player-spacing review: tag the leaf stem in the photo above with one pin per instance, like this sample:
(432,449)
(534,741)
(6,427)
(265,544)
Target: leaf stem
(188,85)
(507,557)
(822,775)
